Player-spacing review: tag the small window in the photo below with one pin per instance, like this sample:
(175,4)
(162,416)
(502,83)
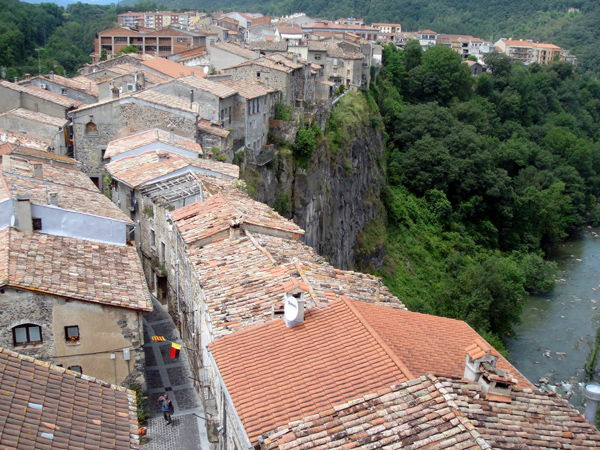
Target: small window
(152,238)
(318,56)
(72,333)
(90,128)
(27,334)
(37,223)
(76,369)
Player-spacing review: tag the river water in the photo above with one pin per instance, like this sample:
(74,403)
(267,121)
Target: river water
(557,330)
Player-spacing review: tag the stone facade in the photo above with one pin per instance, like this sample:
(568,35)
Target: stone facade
(104,331)
(95,126)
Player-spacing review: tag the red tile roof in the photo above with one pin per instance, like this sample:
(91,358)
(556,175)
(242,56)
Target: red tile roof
(439,413)
(51,407)
(333,338)
(277,374)
(141,169)
(127,143)
(172,69)
(73,268)
(43,94)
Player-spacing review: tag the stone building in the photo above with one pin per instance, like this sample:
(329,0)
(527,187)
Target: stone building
(35,99)
(94,126)
(38,125)
(226,54)
(73,88)
(71,291)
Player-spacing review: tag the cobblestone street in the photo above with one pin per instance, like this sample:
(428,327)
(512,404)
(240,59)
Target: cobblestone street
(165,374)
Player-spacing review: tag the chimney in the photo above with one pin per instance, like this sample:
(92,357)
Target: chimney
(37,171)
(235,228)
(478,353)
(295,59)
(592,396)
(53,198)
(191,98)
(24,222)
(294,302)
(51,76)
(27,76)
(172,136)
(115,92)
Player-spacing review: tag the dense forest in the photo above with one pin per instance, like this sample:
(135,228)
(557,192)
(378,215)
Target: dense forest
(486,176)
(64,37)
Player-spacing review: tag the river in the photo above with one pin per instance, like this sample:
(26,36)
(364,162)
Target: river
(557,330)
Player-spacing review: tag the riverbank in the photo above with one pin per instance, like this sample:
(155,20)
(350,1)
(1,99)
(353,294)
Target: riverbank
(558,329)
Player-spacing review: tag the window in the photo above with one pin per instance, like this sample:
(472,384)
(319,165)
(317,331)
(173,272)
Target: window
(182,40)
(152,238)
(164,48)
(37,223)
(120,38)
(230,115)
(27,334)
(163,252)
(76,369)
(72,333)
(90,128)
(318,57)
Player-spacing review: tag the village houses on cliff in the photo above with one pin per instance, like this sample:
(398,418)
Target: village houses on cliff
(118,186)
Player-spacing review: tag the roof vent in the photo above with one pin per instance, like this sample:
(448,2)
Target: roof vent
(53,198)
(496,383)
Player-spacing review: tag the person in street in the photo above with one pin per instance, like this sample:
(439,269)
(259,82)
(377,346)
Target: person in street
(166,407)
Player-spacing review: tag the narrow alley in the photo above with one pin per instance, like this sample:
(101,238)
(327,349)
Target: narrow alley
(173,376)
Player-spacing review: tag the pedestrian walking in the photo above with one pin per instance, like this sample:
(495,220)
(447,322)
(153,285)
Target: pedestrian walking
(167,407)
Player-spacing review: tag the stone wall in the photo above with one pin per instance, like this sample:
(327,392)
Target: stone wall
(102,330)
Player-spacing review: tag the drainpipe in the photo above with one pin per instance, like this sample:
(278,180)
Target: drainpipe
(592,395)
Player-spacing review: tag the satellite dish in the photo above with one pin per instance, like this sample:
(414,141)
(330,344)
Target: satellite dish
(205,69)
(291,311)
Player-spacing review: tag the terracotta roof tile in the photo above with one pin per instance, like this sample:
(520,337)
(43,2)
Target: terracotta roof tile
(171,68)
(138,170)
(75,190)
(125,144)
(218,89)
(36,117)
(235,49)
(33,388)
(33,153)
(74,268)
(167,100)
(28,140)
(35,91)
(320,367)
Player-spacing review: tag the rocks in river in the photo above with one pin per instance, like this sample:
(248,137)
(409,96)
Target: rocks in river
(544,381)
(547,354)
(593,301)
(560,355)
(578,260)
(568,395)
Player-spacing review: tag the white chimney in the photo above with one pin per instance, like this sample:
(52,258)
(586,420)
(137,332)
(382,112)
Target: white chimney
(592,396)
(477,354)
(51,76)
(294,302)
(172,136)
(24,222)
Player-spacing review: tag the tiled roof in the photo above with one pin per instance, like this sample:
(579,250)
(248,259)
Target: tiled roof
(340,26)
(36,117)
(171,68)
(75,190)
(76,83)
(383,24)
(28,140)
(309,364)
(167,100)
(35,91)
(248,89)
(201,220)
(263,63)
(235,49)
(318,46)
(334,51)
(74,268)
(269,46)
(289,29)
(218,89)
(52,407)
(124,69)
(207,127)
(311,367)
(41,155)
(137,170)
(451,337)
(440,413)
(122,145)
(119,31)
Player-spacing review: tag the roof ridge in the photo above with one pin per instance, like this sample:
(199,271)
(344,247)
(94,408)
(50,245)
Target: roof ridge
(465,422)
(260,247)
(386,348)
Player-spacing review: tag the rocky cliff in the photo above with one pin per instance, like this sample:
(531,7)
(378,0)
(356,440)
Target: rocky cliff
(336,192)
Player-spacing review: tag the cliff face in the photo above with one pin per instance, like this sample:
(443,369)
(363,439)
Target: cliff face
(338,192)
